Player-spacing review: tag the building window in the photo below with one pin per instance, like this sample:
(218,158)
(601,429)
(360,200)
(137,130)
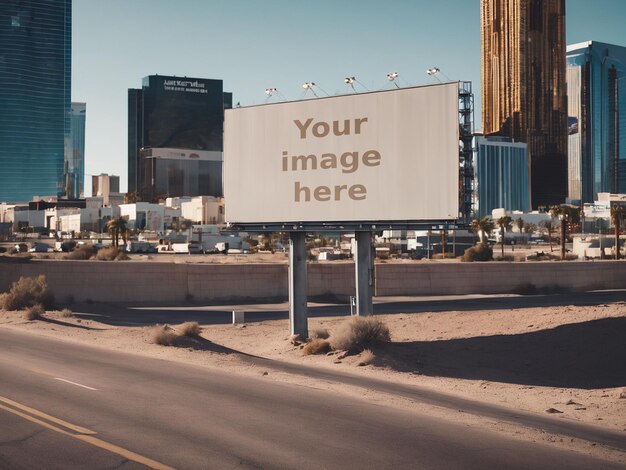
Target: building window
(15,21)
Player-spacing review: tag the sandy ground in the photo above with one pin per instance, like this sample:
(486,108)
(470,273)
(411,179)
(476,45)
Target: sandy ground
(571,359)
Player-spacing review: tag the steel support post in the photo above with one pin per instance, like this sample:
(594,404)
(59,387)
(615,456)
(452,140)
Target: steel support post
(364,267)
(298,324)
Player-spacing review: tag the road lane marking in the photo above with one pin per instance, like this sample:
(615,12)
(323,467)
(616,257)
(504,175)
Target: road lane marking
(85,435)
(130,455)
(74,383)
(47,417)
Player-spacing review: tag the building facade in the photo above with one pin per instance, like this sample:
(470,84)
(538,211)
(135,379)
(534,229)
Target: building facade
(75,155)
(175,137)
(524,89)
(35,87)
(596,81)
(502,179)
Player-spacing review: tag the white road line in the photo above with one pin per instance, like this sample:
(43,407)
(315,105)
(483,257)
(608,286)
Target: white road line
(74,383)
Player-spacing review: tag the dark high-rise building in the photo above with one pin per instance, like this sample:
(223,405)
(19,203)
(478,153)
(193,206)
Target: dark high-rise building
(523,86)
(35,87)
(175,137)
(596,82)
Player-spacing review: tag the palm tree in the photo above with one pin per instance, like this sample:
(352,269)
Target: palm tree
(117,227)
(519,223)
(617,214)
(483,226)
(504,223)
(568,215)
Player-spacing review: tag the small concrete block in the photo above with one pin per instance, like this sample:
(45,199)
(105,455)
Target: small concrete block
(238,317)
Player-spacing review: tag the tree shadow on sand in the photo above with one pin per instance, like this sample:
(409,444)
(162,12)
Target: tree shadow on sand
(587,355)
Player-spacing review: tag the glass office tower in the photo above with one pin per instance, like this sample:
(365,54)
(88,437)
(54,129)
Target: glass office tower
(35,87)
(175,137)
(75,155)
(596,82)
(502,178)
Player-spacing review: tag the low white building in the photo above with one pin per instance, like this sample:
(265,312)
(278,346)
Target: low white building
(204,210)
(143,216)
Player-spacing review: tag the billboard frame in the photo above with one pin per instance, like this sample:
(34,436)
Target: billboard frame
(466,186)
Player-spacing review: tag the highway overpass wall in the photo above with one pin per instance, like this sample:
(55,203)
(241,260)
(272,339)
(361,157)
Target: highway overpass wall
(173,282)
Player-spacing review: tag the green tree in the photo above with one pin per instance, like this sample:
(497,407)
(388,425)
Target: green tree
(117,227)
(483,228)
(504,223)
(617,215)
(519,223)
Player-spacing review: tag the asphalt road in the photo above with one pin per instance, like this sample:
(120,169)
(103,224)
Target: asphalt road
(65,405)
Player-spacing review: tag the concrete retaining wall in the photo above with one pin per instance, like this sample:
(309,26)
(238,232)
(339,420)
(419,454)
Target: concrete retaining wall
(171,282)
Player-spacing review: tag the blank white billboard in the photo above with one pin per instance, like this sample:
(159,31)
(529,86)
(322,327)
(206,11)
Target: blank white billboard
(382,156)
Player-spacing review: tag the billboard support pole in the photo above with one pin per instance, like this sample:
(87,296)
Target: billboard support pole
(298,324)
(364,267)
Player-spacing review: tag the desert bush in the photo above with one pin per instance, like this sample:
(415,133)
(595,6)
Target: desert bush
(367,357)
(541,256)
(163,335)
(320,333)
(316,346)
(111,253)
(480,252)
(358,333)
(81,253)
(34,312)
(26,292)
(190,328)
(67,313)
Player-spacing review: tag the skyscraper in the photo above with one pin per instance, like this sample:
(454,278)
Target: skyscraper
(35,87)
(596,82)
(175,137)
(523,86)
(75,155)
(502,175)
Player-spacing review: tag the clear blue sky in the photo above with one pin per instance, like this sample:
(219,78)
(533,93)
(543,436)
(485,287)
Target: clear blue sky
(253,45)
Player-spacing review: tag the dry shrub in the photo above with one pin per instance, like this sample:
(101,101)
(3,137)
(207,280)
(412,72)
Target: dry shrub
(81,253)
(67,313)
(111,253)
(34,312)
(480,252)
(321,333)
(366,358)
(358,333)
(26,292)
(316,346)
(190,328)
(163,335)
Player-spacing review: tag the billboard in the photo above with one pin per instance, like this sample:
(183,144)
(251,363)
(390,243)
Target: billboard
(381,156)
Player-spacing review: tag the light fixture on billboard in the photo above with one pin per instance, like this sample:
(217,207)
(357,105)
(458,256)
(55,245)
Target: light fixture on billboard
(350,81)
(392,78)
(309,86)
(433,72)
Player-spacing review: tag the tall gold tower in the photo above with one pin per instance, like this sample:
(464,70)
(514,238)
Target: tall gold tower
(524,94)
